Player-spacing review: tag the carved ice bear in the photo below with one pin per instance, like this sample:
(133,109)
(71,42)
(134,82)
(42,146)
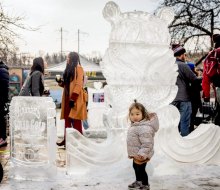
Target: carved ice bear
(139,63)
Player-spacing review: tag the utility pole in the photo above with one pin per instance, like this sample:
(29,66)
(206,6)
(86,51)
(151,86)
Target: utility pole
(78,41)
(78,34)
(61,37)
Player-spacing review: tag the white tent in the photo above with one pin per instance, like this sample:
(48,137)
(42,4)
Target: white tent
(88,66)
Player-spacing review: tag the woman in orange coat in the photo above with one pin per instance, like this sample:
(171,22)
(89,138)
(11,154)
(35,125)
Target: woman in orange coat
(73,107)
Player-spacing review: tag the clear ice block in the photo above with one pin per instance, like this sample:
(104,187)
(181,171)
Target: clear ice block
(33,138)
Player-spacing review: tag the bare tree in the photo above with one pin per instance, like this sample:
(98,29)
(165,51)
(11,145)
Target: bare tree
(194,19)
(8,32)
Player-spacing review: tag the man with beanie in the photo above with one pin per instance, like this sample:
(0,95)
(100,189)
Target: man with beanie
(184,79)
(4,84)
(211,74)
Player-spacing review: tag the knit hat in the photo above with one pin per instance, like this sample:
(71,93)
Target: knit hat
(178,50)
(216,38)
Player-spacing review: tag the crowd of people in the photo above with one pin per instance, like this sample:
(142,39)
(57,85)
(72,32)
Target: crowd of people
(143,125)
(188,99)
(74,98)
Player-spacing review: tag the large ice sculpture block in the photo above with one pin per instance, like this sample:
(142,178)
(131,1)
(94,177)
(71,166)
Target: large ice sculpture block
(139,64)
(33,138)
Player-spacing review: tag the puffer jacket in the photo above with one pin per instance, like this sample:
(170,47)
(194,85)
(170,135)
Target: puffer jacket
(140,137)
(33,85)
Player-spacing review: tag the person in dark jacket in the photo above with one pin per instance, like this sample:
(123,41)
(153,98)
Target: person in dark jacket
(184,79)
(34,84)
(196,102)
(4,84)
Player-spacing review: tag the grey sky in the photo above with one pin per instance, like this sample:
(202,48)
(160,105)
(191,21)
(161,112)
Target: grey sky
(71,15)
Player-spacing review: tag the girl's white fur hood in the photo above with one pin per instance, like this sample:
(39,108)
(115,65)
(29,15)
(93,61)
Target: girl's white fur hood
(153,122)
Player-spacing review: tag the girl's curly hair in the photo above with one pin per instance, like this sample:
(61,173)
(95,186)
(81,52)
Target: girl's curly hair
(140,107)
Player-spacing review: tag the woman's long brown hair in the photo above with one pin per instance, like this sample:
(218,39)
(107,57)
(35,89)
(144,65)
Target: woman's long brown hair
(69,72)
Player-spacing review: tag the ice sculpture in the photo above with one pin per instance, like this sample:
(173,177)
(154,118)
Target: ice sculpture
(139,64)
(33,138)
(96,106)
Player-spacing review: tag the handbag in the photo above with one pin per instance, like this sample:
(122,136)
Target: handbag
(26,88)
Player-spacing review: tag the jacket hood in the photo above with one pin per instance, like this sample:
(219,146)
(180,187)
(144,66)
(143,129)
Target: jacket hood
(153,122)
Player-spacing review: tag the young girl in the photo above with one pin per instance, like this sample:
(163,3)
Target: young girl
(140,142)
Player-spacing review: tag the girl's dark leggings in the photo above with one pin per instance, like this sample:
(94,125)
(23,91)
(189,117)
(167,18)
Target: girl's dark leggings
(140,173)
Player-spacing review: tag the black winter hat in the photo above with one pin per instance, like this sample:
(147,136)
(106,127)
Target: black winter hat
(178,50)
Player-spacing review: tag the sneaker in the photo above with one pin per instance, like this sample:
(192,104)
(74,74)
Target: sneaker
(3,143)
(145,187)
(135,185)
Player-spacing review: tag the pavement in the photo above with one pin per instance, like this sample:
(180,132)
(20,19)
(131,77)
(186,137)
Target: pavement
(198,177)
(190,177)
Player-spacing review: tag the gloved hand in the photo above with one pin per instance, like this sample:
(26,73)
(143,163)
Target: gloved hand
(206,99)
(71,103)
(58,80)
(46,92)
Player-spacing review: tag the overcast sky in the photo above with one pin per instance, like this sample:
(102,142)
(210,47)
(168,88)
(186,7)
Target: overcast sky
(71,15)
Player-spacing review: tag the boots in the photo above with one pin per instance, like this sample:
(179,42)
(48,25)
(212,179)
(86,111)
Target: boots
(62,143)
(135,185)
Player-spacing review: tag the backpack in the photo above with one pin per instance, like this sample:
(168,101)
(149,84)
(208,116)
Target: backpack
(26,88)
(212,67)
